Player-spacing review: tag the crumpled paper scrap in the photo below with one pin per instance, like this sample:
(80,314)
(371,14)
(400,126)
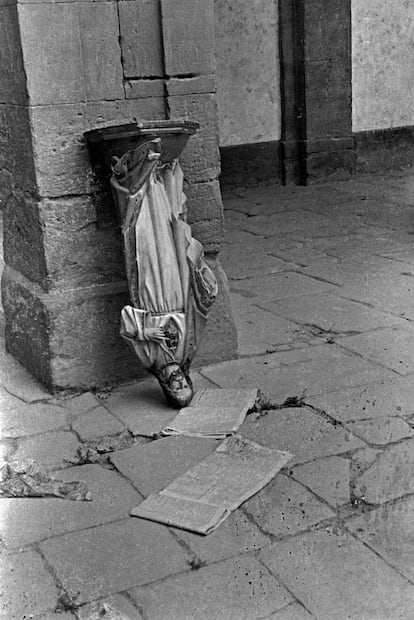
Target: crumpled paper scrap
(27,478)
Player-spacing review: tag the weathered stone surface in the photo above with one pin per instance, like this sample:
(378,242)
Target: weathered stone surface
(80,404)
(78,251)
(18,165)
(219,341)
(336,577)
(153,466)
(235,536)
(394,397)
(393,294)
(188,33)
(282,223)
(141,47)
(26,521)
(138,89)
(342,271)
(51,40)
(210,234)
(27,588)
(255,261)
(390,476)
(60,155)
(12,78)
(191,85)
(26,419)
(99,32)
(118,602)
(52,450)
(291,612)
(281,285)
(113,558)
(125,111)
(201,158)
(381,431)
(308,371)
(393,348)
(204,201)
(328,478)
(13,376)
(242,589)
(285,507)
(23,237)
(299,431)
(332,314)
(95,424)
(140,406)
(259,331)
(390,532)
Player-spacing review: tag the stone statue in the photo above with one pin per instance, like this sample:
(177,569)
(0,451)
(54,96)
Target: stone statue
(171,286)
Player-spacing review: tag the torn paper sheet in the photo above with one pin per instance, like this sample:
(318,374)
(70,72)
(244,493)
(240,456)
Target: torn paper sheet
(28,479)
(214,413)
(204,497)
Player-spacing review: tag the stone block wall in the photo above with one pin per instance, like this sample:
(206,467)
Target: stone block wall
(70,67)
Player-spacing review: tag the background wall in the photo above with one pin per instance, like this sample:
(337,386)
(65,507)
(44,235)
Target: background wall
(247,57)
(382,64)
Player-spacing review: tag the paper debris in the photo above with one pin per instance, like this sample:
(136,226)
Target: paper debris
(214,413)
(205,496)
(28,479)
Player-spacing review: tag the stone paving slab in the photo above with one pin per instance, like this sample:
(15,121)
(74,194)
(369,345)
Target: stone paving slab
(8,401)
(328,478)
(235,536)
(119,603)
(381,431)
(153,466)
(285,507)
(237,589)
(141,406)
(386,398)
(113,558)
(254,261)
(291,612)
(406,256)
(299,431)
(96,424)
(391,476)
(53,450)
(310,370)
(389,531)
(332,313)
(258,331)
(80,404)
(26,586)
(393,294)
(280,286)
(392,348)
(336,578)
(24,419)
(345,270)
(281,223)
(28,520)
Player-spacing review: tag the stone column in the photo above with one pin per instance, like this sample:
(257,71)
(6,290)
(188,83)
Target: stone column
(87,64)
(315,43)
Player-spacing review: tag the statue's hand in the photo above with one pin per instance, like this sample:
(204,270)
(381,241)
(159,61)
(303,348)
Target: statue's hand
(155,334)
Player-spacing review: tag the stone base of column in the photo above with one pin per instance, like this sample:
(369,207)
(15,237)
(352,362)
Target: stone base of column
(69,339)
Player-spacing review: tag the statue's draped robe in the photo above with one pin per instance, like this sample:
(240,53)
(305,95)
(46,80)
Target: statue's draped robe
(171,286)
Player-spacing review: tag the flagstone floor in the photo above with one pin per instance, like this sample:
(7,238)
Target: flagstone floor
(322,286)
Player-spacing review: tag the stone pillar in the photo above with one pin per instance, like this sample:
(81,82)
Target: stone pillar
(87,64)
(315,45)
